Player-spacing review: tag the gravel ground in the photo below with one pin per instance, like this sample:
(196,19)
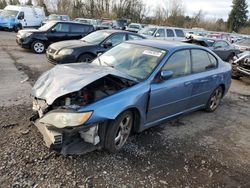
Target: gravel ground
(197,150)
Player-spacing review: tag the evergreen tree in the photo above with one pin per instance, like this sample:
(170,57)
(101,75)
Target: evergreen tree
(238,15)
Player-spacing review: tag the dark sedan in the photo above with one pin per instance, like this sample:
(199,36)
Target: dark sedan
(39,39)
(221,47)
(88,48)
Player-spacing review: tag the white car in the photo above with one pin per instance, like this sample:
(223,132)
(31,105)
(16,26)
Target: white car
(134,27)
(165,33)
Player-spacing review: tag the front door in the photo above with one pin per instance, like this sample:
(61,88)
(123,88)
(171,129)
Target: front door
(59,32)
(170,97)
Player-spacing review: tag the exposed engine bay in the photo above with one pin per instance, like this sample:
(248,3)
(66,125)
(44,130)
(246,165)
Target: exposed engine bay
(241,65)
(93,92)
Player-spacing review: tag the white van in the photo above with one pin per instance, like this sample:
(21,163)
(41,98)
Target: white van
(165,33)
(16,17)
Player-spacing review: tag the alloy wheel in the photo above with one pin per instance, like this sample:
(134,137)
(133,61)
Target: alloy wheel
(216,99)
(39,47)
(123,131)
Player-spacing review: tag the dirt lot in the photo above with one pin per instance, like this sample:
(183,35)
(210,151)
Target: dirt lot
(197,150)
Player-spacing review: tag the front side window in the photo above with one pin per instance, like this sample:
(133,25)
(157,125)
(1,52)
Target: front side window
(170,33)
(61,27)
(201,61)
(116,39)
(160,33)
(21,16)
(179,63)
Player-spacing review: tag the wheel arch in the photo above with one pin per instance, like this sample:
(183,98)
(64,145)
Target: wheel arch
(86,53)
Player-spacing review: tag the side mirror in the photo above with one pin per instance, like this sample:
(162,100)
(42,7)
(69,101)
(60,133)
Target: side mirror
(53,30)
(166,74)
(157,35)
(107,44)
(20,17)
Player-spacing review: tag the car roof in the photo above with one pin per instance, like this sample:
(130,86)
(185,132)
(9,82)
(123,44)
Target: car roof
(61,21)
(163,44)
(208,38)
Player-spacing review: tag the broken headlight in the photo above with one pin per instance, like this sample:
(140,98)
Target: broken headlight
(65,119)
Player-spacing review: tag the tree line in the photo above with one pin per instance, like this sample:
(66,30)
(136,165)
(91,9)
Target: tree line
(169,13)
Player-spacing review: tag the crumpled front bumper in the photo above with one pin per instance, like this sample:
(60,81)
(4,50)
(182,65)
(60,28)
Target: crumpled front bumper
(69,141)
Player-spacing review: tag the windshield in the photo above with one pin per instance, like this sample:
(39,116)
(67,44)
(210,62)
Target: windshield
(134,60)
(244,42)
(148,31)
(47,26)
(8,13)
(96,37)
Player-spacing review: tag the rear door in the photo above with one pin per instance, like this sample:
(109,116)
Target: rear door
(170,34)
(171,97)
(77,31)
(205,78)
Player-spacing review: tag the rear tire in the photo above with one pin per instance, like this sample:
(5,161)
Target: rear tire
(85,58)
(119,131)
(214,100)
(38,47)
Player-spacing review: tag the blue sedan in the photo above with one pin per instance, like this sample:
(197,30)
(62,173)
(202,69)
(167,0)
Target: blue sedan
(81,107)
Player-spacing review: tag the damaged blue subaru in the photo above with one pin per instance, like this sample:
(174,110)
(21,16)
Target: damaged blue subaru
(82,107)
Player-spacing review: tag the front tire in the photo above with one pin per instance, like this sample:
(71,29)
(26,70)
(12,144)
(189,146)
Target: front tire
(38,47)
(214,100)
(119,131)
(86,58)
(17,28)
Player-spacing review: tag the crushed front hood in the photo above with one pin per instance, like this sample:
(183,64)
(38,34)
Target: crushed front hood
(65,79)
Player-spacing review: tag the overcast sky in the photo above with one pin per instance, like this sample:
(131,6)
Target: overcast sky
(212,8)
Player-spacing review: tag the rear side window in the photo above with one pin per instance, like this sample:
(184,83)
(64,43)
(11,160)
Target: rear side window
(78,28)
(170,33)
(179,33)
(201,61)
(62,27)
(179,63)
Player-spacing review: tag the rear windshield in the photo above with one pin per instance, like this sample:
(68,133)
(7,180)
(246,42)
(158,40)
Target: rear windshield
(244,42)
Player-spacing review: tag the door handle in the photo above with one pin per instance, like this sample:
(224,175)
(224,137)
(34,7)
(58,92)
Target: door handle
(187,83)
